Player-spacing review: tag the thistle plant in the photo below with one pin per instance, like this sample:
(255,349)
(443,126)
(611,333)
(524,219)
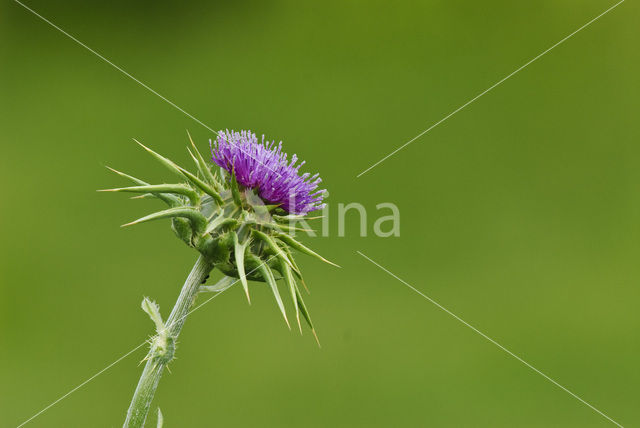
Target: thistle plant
(237,213)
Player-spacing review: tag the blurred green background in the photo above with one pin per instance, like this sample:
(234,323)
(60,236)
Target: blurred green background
(520,213)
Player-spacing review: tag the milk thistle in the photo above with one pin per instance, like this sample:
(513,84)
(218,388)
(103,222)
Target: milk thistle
(236,212)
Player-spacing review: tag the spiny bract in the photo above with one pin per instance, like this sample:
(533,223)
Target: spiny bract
(222,212)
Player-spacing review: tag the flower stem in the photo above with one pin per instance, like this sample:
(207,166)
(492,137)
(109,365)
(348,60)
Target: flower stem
(143,396)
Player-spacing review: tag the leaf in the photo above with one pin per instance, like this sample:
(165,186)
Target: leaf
(153,310)
(160,419)
(289,240)
(198,221)
(180,189)
(239,250)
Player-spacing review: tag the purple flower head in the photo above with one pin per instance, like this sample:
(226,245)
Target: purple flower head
(265,167)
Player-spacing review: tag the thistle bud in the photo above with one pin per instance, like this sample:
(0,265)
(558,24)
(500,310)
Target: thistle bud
(235,213)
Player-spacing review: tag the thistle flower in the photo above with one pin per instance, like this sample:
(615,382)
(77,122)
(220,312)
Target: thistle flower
(222,214)
(266,168)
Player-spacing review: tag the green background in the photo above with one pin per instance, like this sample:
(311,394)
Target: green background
(520,214)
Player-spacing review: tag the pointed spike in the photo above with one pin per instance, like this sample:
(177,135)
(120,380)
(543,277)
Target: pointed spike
(195,160)
(280,227)
(297,270)
(172,166)
(180,189)
(127,176)
(202,185)
(289,240)
(314,218)
(298,320)
(197,220)
(144,196)
(295,217)
(168,199)
(268,277)
(239,256)
(203,165)
(272,207)
(285,248)
(305,313)
(304,284)
(165,161)
(288,228)
(290,281)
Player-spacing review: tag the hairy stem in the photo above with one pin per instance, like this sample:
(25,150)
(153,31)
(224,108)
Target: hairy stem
(143,396)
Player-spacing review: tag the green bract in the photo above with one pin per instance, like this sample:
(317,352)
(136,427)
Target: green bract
(230,227)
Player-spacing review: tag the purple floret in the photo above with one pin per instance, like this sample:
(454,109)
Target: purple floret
(265,167)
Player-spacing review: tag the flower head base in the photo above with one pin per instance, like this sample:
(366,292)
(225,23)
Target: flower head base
(266,168)
(225,218)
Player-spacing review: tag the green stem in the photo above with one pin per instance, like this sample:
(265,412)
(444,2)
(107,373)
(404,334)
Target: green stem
(143,396)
